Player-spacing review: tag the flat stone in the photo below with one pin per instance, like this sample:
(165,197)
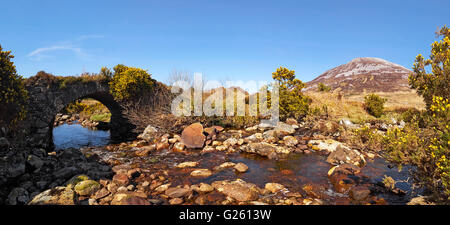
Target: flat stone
(201,173)
(238,190)
(187,164)
(274,187)
(241,167)
(177,192)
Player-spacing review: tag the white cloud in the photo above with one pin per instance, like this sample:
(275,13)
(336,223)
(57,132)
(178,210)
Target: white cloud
(42,53)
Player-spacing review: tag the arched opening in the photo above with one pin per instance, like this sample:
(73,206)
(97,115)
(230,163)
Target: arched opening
(105,124)
(82,123)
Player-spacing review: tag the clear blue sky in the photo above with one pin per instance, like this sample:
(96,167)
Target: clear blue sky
(237,40)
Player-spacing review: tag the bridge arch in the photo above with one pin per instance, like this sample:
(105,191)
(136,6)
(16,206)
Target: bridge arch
(49,98)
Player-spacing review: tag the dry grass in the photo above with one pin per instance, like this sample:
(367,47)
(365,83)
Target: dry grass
(351,107)
(396,100)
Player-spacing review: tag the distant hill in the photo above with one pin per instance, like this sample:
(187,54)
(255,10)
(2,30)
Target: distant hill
(364,75)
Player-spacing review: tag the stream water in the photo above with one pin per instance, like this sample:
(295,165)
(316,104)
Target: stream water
(76,136)
(294,172)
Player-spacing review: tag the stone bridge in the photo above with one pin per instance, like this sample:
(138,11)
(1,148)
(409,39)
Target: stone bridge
(48,99)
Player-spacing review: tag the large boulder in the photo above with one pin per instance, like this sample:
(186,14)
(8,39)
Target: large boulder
(193,137)
(238,190)
(55,196)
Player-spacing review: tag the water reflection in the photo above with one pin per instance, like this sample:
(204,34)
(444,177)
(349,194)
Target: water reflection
(76,136)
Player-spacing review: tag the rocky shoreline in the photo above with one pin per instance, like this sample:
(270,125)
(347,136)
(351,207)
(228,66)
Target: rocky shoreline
(196,167)
(61,119)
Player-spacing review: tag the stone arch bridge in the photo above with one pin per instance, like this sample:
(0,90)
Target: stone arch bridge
(46,99)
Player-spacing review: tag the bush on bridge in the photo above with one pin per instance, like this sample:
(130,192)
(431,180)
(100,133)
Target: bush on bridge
(130,82)
(12,91)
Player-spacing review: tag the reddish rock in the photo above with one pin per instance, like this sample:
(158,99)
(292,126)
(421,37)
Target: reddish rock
(121,179)
(193,137)
(162,145)
(177,192)
(101,193)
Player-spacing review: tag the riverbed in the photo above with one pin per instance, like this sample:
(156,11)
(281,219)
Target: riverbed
(294,172)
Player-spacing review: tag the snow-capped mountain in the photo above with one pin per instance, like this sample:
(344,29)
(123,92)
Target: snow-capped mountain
(364,74)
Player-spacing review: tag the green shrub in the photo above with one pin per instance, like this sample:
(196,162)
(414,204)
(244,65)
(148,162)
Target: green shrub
(13,95)
(130,82)
(374,105)
(293,103)
(323,87)
(428,148)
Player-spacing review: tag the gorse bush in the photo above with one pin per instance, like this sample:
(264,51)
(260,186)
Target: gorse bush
(428,148)
(13,95)
(323,87)
(437,82)
(130,82)
(374,105)
(89,109)
(293,103)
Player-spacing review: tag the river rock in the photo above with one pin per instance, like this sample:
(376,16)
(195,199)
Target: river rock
(284,128)
(262,148)
(35,163)
(55,196)
(238,190)
(359,193)
(201,173)
(179,147)
(148,134)
(328,145)
(241,167)
(274,187)
(18,196)
(187,164)
(193,137)
(290,141)
(202,188)
(176,201)
(75,180)
(66,172)
(345,155)
(87,187)
(121,179)
(129,199)
(177,192)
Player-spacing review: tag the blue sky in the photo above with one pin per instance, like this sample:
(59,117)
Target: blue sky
(225,40)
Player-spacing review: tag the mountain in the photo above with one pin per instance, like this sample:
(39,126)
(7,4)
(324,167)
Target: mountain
(364,75)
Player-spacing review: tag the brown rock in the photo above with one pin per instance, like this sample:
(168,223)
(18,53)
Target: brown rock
(193,137)
(129,199)
(201,173)
(359,193)
(274,187)
(102,193)
(177,192)
(241,167)
(121,179)
(176,201)
(238,189)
